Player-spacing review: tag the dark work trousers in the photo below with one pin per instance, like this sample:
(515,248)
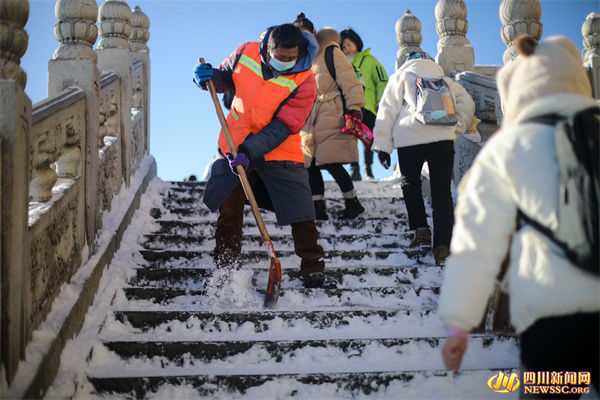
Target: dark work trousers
(567,343)
(440,159)
(369,120)
(228,234)
(337,170)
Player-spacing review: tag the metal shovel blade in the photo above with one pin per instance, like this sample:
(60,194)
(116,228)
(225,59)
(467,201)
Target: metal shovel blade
(274,284)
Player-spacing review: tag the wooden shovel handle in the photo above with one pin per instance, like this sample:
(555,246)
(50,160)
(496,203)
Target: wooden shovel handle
(240,170)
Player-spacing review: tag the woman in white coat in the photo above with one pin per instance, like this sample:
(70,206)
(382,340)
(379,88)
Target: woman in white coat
(397,126)
(554,306)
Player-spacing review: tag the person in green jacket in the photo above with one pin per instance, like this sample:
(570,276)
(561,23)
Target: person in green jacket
(374,79)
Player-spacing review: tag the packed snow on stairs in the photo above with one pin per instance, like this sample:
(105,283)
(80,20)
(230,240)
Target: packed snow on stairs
(166,324)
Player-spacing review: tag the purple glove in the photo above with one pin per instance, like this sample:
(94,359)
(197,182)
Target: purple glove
(241,159)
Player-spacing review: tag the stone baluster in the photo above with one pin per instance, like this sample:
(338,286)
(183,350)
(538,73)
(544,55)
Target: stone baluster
(114,55)
(140,34)
(455,53)
(74,64)
(591,42)
(408,36)
(519,17)
(15,125)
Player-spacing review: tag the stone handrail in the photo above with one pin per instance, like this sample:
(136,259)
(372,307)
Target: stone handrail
(67,157)
(56,127)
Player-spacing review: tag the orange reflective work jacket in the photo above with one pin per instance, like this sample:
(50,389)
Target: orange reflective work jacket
(256,101)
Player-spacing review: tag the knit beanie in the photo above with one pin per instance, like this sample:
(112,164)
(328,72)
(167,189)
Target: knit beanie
(551,67)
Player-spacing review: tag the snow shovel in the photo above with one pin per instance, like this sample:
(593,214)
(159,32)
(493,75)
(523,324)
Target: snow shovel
(274,284)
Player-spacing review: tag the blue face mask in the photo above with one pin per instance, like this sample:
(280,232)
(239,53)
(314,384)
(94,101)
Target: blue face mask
(281,65)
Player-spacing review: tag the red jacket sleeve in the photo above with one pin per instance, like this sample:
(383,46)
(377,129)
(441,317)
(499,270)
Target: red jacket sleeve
(296,110)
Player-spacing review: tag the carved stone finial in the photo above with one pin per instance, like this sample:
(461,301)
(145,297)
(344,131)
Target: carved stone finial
(76,29)
(455,53)
(13,39)
(518,17)
(115,24)
(452,24)
(408,36)
(591,35)
(140,23)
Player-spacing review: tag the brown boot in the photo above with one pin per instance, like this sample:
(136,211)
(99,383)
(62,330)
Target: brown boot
(422,238)
(305,235)
(440,253)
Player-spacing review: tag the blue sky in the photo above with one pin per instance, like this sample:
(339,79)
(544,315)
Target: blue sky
(184,126)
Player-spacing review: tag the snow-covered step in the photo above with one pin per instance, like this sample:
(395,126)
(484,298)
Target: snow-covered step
(382,384)
(276,324)
(391,257)
(343,276)
(184,213)
(272,356)
(361,241)
(401,296)
(355,226)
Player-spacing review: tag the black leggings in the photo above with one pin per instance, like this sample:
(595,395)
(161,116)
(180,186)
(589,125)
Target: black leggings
(337,170)
(568,343)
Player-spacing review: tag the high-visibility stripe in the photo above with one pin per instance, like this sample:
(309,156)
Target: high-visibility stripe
(285,82)
(235,115)
(256,68)
(250,63)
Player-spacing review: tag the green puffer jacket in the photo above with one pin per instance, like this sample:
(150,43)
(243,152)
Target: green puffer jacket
(374,77)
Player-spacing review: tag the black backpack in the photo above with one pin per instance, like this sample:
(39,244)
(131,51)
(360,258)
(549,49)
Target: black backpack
(576,137)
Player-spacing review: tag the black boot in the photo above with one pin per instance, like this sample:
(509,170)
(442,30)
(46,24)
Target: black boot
(355,175)
(320,210)
(368,172)
(353,208)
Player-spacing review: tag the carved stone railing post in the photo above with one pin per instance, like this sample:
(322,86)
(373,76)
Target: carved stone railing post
(15,124)
(519,17)
(140,23)
(408,36)
(74,64)
(455,53)
(114,55)
(591,42)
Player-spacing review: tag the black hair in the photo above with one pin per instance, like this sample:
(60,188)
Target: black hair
(304,23)
(353,36)
(286,36)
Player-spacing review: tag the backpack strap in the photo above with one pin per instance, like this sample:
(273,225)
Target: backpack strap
(331,68)
(329,61)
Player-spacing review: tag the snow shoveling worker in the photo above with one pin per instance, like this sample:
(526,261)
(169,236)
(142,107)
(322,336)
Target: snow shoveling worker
(275,89)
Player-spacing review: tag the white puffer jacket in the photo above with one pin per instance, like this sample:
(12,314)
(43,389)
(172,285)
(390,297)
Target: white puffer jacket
(518,168)
(397,127)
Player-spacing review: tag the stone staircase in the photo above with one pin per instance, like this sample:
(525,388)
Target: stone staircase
(181,329)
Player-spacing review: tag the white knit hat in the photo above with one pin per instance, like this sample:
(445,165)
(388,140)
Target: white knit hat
(553,66)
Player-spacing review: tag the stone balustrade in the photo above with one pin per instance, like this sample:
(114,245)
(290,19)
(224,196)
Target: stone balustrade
(65,158)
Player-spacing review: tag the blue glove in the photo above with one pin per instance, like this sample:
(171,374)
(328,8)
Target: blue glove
(241,159)
(202,73)
(384,159)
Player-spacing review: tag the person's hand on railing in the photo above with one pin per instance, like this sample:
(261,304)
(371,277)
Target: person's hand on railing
(202,74)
